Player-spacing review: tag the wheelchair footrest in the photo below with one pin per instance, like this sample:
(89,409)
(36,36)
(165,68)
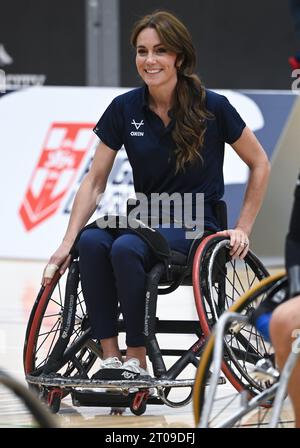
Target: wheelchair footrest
(117,374)
(141,382)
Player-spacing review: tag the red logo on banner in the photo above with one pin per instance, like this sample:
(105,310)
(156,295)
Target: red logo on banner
(64,148)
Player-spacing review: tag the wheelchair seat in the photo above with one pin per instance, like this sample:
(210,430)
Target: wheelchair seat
(178,258)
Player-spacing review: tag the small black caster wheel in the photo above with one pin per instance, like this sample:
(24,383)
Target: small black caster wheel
(54,400)
(140,409)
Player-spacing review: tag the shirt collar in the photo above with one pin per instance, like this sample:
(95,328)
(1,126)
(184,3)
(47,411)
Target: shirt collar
(145,102)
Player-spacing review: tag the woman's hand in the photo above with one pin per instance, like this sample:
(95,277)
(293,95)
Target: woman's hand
(59,260)
(239,242)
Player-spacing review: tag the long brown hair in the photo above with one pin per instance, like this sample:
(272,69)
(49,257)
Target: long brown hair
(189,108)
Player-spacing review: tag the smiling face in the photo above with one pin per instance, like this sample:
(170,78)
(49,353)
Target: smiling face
(154,62)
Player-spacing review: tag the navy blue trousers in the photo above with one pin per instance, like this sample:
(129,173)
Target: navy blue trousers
(113,268)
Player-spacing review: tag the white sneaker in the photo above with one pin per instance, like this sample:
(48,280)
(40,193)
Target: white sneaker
(133,365)
(111,363)
(107,364)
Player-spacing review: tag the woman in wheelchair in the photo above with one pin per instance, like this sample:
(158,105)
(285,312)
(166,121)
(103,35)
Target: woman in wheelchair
(279,320)
(174,132)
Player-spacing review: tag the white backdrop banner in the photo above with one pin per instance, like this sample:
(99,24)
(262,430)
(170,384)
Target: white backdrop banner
(46,146)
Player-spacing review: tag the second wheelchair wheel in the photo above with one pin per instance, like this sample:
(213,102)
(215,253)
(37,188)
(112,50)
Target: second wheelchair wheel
(239,363)
(218,282)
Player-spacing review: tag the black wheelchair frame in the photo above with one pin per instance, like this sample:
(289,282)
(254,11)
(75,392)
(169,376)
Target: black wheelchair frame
(72,353)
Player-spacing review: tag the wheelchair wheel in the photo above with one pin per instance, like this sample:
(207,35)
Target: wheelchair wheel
(43,331)
(230,397)
(218,282)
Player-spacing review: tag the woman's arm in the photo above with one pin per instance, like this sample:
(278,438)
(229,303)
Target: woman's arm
(87,197)
(85,203)
(252,153)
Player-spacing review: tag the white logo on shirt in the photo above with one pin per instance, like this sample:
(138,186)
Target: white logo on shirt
(137,127)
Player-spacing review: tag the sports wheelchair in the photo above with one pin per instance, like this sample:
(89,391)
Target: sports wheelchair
(60,356)
(259,402)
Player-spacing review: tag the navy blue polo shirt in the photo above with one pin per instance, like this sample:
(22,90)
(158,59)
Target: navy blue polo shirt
(150,148)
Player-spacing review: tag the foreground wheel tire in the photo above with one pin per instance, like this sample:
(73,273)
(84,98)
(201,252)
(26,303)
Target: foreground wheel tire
(230,400)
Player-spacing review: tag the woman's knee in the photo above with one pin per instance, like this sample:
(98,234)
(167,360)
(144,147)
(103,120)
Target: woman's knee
(285,320)
(280,322)
(128,247)
(93,241)
(130,254)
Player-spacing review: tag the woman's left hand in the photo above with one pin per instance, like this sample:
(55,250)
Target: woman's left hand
(239,242)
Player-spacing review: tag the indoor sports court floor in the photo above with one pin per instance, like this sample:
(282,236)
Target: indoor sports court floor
(19,286)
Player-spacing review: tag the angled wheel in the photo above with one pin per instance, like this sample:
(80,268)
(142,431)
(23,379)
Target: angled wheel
(43,330)
(228,398)
(218,283)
